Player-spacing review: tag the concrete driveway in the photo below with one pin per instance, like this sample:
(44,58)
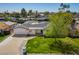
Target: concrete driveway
(13,45)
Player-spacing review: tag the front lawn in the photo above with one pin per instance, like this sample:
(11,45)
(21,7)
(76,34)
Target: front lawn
(46,45)
(2,38)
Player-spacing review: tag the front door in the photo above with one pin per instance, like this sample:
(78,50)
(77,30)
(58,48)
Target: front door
(39,32)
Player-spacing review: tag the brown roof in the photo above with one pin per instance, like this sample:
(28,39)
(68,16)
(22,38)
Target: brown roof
(3,25)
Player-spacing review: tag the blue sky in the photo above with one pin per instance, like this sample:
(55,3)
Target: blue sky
(36,6)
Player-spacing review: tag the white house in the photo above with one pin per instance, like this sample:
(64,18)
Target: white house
(30,28)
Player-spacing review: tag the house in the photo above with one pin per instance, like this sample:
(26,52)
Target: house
(76,21)
(75,26)
(42,18)
(23,18)
(30,28)
(76,17)
(11,24)
(13,19)
(4,28)
(1,19)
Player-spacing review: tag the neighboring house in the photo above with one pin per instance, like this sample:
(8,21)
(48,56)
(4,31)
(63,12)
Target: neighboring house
(11,25)
(1,19)
(13,18)
(42,18)
(76,17)
(75,26)
(23,18)
(30,28)
(76,21)
(4,28)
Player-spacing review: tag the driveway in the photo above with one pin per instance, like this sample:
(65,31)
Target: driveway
(13,45)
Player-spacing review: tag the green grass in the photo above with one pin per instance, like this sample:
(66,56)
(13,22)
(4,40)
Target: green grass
(2,38)
(76,40)
(42,45)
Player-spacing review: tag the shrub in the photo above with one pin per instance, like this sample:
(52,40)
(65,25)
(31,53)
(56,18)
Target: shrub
(65,47)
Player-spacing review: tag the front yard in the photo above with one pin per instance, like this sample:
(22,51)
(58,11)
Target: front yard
(47,45)
(2,37)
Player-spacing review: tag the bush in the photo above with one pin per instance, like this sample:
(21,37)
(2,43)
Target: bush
(8,19)
(65,47)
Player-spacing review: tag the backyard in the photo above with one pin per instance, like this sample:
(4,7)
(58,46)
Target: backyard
(42,45)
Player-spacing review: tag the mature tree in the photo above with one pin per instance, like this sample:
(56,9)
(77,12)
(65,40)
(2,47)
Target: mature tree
(6,13)
(23,12)
(15,14)
(64,7)
(61,5)
(59,25)
(30,12)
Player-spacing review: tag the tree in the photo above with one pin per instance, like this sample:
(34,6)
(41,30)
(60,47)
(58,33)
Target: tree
(6,13)
(36,14)
(61,5)
(17,15)
(59,25)
(23,12)
(30,12)
(7,19)
(46,13)
(64,7)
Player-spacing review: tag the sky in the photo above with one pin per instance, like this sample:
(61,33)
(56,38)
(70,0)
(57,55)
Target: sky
(51,7)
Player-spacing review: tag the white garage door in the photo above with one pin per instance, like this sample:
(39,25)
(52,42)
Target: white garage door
(20,31)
